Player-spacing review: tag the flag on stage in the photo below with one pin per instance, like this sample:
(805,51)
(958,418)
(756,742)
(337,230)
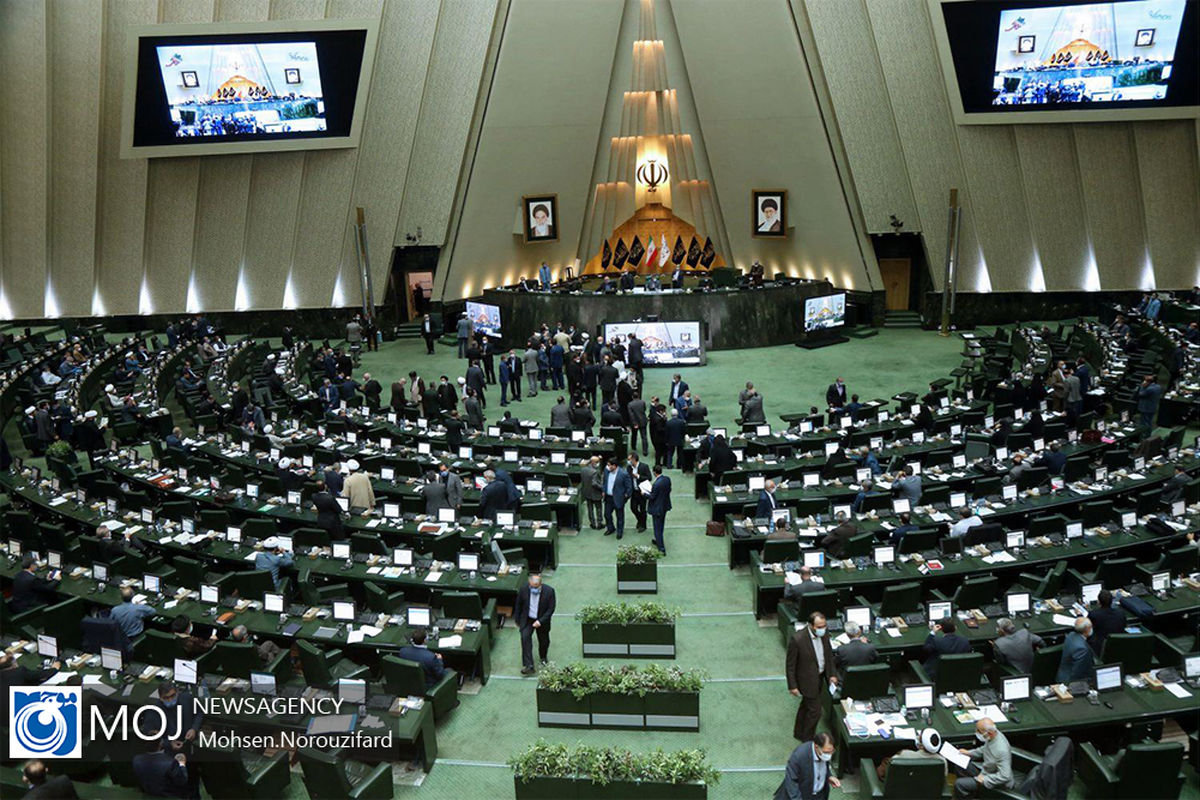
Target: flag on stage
(678,253)
(650,250)
(693,256)
(620,254)
(605,256)
(709,255)
(636,251)
(664,252)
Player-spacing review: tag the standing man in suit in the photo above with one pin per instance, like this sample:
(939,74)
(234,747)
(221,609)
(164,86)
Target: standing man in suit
(462,331)
(1105,620)
(808,775)
(676,430)
(1148,395)
(618,486)
(637,421)
(160,774)
(592,490)
(560,414)
(949,643)
(658,504)
(533,612)
(638,474)
(810,666)
(608,381)
(493,497)
(477,381)
(677,277)
(635,360)
(428,334)
(430,662)
(678,387)
(474,410)
(752,409)
(835,395)
(544,276)
(191,719)
(766,501)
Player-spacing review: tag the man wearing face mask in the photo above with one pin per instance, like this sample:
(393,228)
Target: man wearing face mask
(810,666)
(191,718)
(996,755)
(809,774)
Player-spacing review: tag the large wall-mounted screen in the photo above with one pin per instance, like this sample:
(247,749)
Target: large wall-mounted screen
(828,311)
(663,343)
(209,89)
(484,318)
(1036,61)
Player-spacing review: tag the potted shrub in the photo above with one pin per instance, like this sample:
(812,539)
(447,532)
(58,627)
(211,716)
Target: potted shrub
(637,569)
(546,771)
(562,696)
(626,697)
(645,630)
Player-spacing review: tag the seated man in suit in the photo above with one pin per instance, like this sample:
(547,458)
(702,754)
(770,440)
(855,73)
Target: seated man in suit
(806,584)
(808,774)
(857,652)
(1015,645)
(835,542)
(908,486)
(948,643)
(43,787)
(1105,620)
(31,590)
(1077,660)
(159,773)
(904,527)
(430,661)
(1173,489)
(1053,460)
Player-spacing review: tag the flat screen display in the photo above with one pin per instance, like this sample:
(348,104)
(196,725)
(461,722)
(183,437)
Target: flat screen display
(825,312)
(662,342)
(484,318)
(246,87)
(1029,56)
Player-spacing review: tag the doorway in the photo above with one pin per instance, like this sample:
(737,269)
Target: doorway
(418,290)
(897,277)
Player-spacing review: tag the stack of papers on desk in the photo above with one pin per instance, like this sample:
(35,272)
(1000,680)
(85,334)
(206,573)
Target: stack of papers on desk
(450,641)
(433,577)
(999,557)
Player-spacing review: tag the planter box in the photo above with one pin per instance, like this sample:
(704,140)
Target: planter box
(621,711)
(672,711)
(639,640)
(562,710)
(637,578)
(584,789)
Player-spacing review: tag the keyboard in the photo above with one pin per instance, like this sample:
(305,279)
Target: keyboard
(296,609)
(1138,590)
(1078,688)
(325,633)
(380,702)
(444,623)
(984,697)
(834,624)
(1169,675)
(885,705)
(993,610)
(914,618)
(366,618)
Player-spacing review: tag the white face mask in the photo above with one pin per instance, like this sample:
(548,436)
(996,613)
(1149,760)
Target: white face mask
(821,754)
(983,739)
(818,632)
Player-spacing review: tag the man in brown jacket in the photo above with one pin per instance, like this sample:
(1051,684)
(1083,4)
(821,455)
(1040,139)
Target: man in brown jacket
(810,666)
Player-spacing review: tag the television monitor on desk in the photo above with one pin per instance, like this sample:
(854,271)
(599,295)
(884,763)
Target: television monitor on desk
(885,555)
(1074,530)
(1016,603)
(757,483)
(402,557)
(1129,519)
(100,571)
(47,645)
(812,480)
(901,505)
(533,485)
(1160,581)
(939,610)
(447,515)
(233,534)
(1191,666)
(343,611)
(111,658)
(391,510)
(506,519)
(352,691)
(341,550)
(273,603)
(186,671)
(209,594)
(1090,592)
(918,696)
(152,583)
(814,559)
(1014,539)
(958,499)
(1014,688)
(262,683)
(468,562)
(419,617)
(860,616)
(1109,677)
(762,430)
(494,431)
(343,503)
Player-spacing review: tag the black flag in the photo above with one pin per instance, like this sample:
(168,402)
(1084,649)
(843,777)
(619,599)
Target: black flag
(693,256)
(620,254)
(636,251)
(605,256)
(706,259)
(678,252)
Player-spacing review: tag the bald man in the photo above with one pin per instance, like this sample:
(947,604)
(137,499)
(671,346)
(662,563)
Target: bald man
(996,757)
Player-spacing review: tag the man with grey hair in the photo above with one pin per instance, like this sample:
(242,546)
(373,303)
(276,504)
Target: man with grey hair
(967,519)
(857,652)
(996,755)
(267,650)
(1077,660)
(1015,645)
(493,498)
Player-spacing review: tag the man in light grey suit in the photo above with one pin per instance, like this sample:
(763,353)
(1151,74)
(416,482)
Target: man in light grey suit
(434,492)
(454,486)
(560,414)
(593,493)
(1015,645)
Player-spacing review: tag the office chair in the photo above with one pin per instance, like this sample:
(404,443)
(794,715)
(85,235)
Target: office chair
(976,592)
(919,541)
(324,668)
(960,672)
(1145,771)
(1134,651)
(778,550)
(329,775)
(907,777)
(381,601)
(900,598)
(867,681)
(239,659)
(407,679)
(245,775)
(469,605)
(1045,665)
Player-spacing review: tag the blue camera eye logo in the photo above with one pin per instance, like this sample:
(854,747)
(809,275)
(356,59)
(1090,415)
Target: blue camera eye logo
(44,723)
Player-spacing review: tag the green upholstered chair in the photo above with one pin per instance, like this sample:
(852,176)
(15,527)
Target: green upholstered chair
(323,668)
(240,775)
(908,777)
(1146,771)
(326,775)
(960,672)
(407,679)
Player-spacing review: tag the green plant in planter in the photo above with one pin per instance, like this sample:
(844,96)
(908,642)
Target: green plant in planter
(605,765)
(582,680)
(60,450)
(627,613)
(637,554)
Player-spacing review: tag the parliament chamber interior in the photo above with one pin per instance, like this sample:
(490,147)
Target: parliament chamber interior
(835,363)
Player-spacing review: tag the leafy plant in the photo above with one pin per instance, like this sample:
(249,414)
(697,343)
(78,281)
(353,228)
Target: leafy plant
(582,680)
(637,554)
(605,765)
(627,613)
(60,450)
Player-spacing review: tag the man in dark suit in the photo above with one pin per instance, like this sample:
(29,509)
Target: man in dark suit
(1105,620)
(857,652)
(949,643)
(677,277)
(610,417)
(678,387)
(447,397)
(608,381)
(493,498)
(810,667)
(30,590)
(474,409)
(44,787)
(1148,395)
(161,774)
(1077,658)
(634,358)
(13,675)
(676,431)
(477,380)
(430,661)
(835,395)
(637,423)
(808,775)
(835,542)
(1054,460)
(766,501)
(793,591)
(533,612)
(618,487)
(658,504)
(1172,490)
(638,473)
